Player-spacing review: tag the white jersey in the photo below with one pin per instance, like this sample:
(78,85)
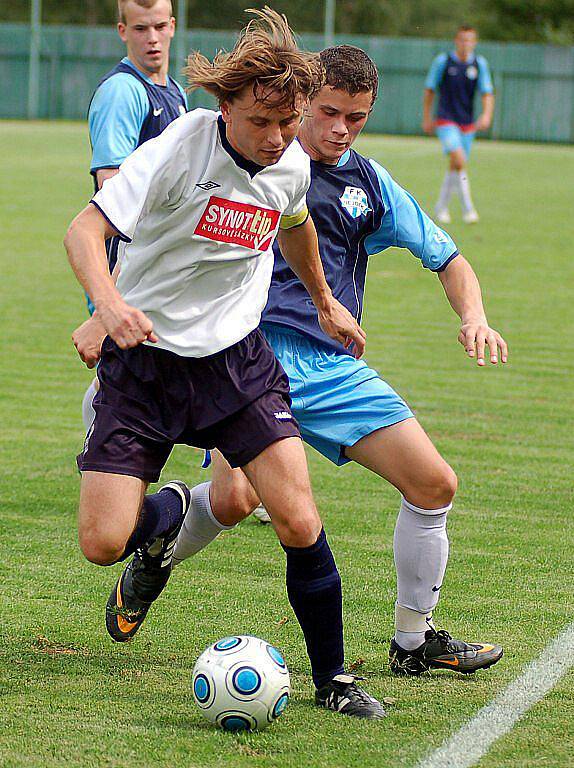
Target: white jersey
(198,230)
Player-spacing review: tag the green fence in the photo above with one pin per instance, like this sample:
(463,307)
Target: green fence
(534,83)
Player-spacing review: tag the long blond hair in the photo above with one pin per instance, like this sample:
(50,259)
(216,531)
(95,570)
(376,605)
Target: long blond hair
(265,57)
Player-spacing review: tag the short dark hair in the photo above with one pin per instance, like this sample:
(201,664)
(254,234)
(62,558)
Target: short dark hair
(142,3)
(349,69)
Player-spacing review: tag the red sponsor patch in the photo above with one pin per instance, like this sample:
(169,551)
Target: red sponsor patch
(240,223)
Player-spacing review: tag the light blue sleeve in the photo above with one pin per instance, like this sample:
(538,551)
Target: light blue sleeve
(436,72)
(117,113)
(484,78)
(406,225)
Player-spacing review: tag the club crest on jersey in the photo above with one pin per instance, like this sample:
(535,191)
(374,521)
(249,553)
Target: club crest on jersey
(355,201)
(472,72)
(227,221)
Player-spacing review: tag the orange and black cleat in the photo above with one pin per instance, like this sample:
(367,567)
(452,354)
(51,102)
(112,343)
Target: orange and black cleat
(441,651)
(125,611)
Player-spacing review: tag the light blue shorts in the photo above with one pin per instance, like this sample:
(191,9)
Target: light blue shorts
(337,400)
(452,138)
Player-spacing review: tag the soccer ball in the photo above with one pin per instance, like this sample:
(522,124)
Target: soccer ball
(241,683)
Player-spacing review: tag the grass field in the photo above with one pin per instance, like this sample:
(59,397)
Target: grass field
(69,696)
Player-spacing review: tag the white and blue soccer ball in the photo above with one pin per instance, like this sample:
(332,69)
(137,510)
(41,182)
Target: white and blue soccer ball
(241,683)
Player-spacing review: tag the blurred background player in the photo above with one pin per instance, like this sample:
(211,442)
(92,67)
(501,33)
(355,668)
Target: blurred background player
(343,407)
(133,102)
(457,76)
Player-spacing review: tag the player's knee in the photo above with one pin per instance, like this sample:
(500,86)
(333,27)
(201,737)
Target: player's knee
(436,490)
(99,549)
(457,163)
(445,486)
(237,503)
(300,530)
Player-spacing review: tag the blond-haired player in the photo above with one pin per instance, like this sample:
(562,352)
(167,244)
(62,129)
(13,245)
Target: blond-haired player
(198,209)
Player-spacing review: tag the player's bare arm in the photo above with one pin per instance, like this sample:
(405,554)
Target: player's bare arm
(89,336)
(301,251)
(484,120)
(462,288)
(428,99)
(102,174)
(85,244)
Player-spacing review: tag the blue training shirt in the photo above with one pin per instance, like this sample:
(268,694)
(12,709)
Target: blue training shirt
(127,109)
(358,210)
(456,82)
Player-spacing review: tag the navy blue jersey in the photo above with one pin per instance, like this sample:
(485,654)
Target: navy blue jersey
(127,109)
(457,82)
(358,210)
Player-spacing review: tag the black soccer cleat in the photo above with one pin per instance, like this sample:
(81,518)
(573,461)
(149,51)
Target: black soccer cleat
(143,578)
(441,651)
(342,694)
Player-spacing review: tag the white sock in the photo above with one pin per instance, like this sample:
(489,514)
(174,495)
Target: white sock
(200,526)
(88,413)
(464,192)
(421,554)
(414,626)
(449,185)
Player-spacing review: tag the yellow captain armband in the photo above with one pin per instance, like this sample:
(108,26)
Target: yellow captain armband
(288,222)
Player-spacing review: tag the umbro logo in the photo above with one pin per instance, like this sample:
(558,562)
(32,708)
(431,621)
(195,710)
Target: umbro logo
(157,112)
(207,185)
(283,416)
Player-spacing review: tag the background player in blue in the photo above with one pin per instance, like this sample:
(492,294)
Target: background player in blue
(133,102)
(344,409)
(457,76)
(137,99)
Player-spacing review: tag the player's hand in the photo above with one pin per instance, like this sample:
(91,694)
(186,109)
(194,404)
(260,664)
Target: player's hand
(88,338)
(475,337)
(127,325)
(428,126)
(482,123)
(338,323)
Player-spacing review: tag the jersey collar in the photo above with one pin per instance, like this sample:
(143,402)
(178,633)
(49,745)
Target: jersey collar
(126,60)
(457,58)
(242,162)
(343,160)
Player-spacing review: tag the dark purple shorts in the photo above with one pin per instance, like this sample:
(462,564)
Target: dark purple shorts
(150,399)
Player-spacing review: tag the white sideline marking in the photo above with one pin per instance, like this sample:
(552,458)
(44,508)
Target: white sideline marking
(474,739)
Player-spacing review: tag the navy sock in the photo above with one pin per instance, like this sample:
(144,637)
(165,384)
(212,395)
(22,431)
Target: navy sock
(160,513)
(314,590)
